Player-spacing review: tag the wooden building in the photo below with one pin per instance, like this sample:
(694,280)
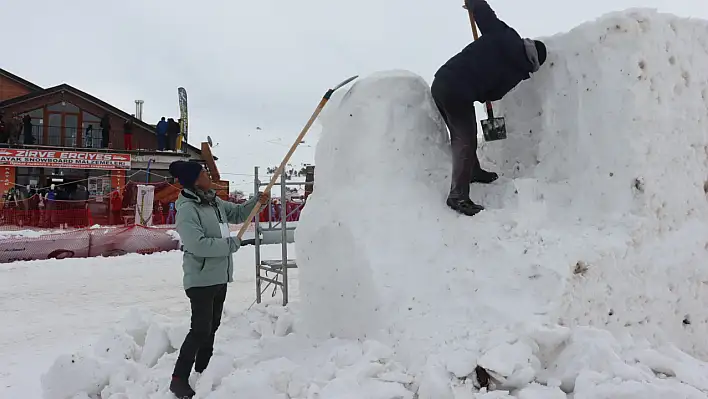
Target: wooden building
(67,144)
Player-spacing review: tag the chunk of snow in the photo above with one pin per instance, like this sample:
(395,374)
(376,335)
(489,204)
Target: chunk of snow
(157,343)
(536,391)
(435,383)
(72,375)
(116,345)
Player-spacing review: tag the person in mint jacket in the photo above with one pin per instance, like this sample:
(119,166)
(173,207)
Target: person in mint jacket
(202,223)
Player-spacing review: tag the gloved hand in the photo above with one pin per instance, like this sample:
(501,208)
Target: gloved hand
(263,197)
(248,242)
(469,4)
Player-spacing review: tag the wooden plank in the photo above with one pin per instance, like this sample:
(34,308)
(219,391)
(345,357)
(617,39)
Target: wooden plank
(210,163)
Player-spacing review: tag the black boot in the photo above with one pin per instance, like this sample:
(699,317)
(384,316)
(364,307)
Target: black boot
(484,177)
(181,389)
(464,206)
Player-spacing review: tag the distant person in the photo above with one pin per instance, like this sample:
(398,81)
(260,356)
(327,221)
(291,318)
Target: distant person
(106,131)
(116,207)
(88,136)
(172,133)
(485,70)
(171,214)
(50,206)
(13,128)
(128,135)
(202,224)
(161,131)
(27,130)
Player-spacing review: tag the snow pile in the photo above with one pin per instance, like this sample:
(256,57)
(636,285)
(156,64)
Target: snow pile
(261,354)
(600,219)
(613,132)
(584,277)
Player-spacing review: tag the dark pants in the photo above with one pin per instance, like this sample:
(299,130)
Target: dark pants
(207,305)
(461,120)
(161,142)
(171,141)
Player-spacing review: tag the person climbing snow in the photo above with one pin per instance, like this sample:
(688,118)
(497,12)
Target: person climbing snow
(485,70)
(203,226)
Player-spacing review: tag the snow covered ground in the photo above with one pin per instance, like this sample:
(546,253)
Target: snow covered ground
(584,279)
(52,307)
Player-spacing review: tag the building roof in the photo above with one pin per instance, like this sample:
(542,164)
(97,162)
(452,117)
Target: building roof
(19,80)
(86,97)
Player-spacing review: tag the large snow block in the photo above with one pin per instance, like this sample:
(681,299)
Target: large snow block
(600,218)
(380,254)
(618,114)
(616,123)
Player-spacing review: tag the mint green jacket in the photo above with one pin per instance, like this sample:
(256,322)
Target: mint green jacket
(207,256)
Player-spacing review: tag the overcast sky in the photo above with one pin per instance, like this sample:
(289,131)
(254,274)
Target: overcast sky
(259,63)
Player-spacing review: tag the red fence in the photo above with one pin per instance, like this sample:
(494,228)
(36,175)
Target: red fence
(56,214)
(31,213)
(273,213)
(84,243)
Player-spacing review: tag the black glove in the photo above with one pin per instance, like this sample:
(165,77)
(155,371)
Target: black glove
(248,242)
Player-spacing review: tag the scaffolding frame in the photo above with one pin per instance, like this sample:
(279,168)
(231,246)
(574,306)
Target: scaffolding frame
(277,267)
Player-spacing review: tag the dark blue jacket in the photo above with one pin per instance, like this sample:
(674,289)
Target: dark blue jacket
(161,128)
(490,67)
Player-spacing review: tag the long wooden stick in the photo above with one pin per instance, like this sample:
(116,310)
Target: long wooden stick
(283,164)
(475,34)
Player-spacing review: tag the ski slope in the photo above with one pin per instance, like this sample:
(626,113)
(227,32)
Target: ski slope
(583,279)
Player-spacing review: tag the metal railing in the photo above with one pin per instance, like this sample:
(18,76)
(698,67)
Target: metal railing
(78,137)
(90,138)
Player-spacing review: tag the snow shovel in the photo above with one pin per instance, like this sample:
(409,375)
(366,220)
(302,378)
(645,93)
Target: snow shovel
(281,168)
(493,128)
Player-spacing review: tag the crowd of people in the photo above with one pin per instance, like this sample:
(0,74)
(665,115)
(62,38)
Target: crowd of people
(167,133)
(49,208)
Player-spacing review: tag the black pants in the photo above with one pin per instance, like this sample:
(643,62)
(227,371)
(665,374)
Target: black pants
(171,142)
(207,305)
(161,139)
(461,120)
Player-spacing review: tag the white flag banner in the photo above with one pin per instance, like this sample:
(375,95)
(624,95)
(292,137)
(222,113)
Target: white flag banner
(143,206)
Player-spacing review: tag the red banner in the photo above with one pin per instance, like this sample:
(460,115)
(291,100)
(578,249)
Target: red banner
(7,179)
(118,180)
(64,159)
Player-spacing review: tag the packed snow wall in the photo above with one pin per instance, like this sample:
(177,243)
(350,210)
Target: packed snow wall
(615,131)
(600,218)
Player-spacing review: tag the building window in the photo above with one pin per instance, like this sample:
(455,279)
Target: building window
(64,107)
(71,127)
(87,117)
(63,124)
(54,129)
(92,132)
